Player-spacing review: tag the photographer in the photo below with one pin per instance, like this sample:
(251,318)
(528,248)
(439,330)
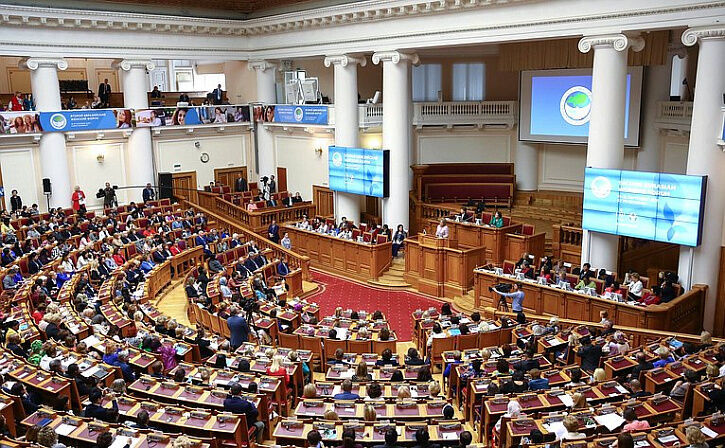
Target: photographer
(516,294)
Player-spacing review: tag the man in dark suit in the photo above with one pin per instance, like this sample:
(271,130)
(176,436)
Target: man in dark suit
(217,94)
(104,93)
(240,184)
(589,354)
(238,328)
(148,193)
(346,393)
(235,404)
(642,365)
(273,232)
(272,185)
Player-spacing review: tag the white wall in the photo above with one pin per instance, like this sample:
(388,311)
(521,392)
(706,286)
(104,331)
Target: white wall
(561,167)
(305,167)
(674,154)
(463,145)
(180,154)
(19,173)
(91,174)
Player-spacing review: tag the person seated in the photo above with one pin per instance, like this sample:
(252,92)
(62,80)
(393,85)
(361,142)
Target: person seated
(413,359)
(585,282)
(636,287)
(346,393)
(537,382)
(496,220)
(665,357)
(96,410)
(237,404)
(386,359)
(571,429)
(464,216)
(516,385)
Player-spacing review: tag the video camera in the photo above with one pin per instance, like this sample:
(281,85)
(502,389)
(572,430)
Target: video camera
(264,179)
(501,287)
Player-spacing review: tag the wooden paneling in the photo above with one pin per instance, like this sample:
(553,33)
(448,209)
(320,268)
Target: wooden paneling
(719,325)
(227,176)
(685,313)
(184,185)
(111,75)
(324,200)
(350,258)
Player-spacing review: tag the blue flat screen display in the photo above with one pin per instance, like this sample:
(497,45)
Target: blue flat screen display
(556,105)
(359,171)
(652,206)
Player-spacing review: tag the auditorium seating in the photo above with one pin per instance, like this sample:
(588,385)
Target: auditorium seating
(493,183)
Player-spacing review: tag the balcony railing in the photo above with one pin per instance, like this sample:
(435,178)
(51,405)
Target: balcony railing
(674,115)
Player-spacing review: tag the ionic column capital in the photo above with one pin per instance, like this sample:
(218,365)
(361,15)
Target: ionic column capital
(395,57)
(261,66)
(620,42)
(35,63)
(128,64)
(692,35)
(344,60)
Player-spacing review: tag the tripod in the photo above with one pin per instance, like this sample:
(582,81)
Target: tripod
(502,305)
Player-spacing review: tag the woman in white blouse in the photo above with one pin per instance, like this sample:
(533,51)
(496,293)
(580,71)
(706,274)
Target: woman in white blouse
(635,287)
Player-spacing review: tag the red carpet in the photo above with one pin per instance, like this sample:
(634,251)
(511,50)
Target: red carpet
(397,306)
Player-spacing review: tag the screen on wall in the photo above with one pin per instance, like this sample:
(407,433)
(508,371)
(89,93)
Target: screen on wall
(556,106)
(653,206)
(359,171)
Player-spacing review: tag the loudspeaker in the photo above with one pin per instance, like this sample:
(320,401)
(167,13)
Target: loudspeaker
(47,189)
(166,186)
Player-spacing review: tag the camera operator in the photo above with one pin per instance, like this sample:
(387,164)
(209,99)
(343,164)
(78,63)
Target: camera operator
(516,294)
(265,193)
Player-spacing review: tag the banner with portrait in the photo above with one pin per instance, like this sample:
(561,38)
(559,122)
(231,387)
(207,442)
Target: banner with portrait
(21,122)
(85,120)
(300,114)
(191,115)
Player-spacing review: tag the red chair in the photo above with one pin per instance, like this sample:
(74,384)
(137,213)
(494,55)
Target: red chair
(367,237)
(356,233)
(527,229)
(363,227)
(508,267)
(381,239)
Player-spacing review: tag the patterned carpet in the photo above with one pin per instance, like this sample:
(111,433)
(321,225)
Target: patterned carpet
(396,305)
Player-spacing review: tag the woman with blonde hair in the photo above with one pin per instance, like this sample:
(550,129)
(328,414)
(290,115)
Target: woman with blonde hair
(118,386)
(695,437)
(331,416)
(705,339)
(309,391)
(404,392)
(579,401)
(369,414)
(434,389)
(598,376)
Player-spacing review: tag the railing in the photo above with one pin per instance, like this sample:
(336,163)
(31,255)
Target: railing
(212,207)
(451,113)
(674,114)
(567,243)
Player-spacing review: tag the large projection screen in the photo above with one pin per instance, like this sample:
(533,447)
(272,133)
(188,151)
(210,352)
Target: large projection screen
(555,106)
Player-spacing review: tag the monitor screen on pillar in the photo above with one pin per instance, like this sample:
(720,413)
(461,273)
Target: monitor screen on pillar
(359,171)
(654,206)
(556,105)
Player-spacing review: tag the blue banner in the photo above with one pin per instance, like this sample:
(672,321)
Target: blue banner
(284,113)
(85,120)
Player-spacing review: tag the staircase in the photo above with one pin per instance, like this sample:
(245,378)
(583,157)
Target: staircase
(393,277)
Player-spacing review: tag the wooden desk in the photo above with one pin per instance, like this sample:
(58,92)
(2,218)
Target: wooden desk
(362,261)
(684,313)
(439,267)
(472,235)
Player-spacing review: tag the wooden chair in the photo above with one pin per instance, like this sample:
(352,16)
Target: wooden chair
(439,346)
(380,346)
(289,341)
(359,346)
(466,341)
(331,346)
(314,345)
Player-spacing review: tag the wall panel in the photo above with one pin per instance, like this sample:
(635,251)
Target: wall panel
(19,173)
(304,167)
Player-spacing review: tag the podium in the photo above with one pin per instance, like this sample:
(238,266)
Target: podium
(437,266)
(434,242)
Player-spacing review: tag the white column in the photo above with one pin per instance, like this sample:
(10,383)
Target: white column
(526,166)
(52,150)
(140,149)
(397,120)
(347,124)
(656,89)
(705,158)
(266,93)
(605,147)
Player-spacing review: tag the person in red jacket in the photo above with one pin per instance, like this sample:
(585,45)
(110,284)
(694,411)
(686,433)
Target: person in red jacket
(17,102)
(78,199)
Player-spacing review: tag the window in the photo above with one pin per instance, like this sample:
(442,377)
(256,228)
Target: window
(426,82)
(469,82)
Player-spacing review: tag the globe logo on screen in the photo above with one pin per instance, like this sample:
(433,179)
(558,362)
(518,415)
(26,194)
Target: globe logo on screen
(299,113)
(601,187)
(576,105)
(336,159)
(57,121)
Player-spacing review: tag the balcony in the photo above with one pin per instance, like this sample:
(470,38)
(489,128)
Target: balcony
(499,114)
(675,115)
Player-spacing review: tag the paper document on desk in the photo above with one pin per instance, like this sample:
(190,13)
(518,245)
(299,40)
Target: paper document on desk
(91,341)
(611,421)
(709,432)
(88,372)
(121,441)
(64,429)
(566,400)
(668,439)
(449,435)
